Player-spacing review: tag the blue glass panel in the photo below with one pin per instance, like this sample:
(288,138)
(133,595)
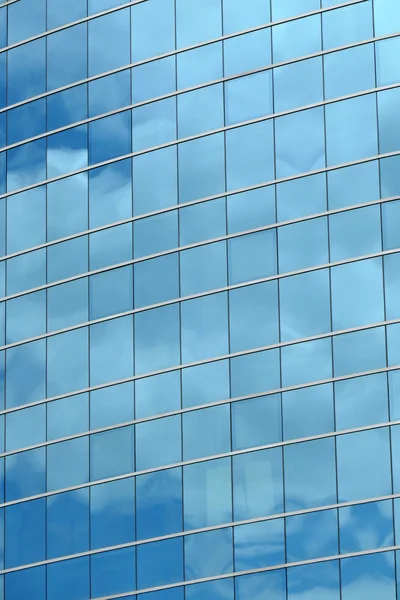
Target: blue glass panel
(209,553)
(310,474)
(22,390)
(361,401)
(373,573)
(68,580)
(25,474)
(112,572)
(25,533)
(366,526)
(157,339)
(30,583)
(206,432)
(67,524)
(149,454)
(205,383)
(207,493)
(67,463)
(158,394)
(257,478)
(259,545)
(67,367)
(312,535)
(167,555)
(159,503)
(111,405)
(256,422)
(364,465)
(107,340)
(111,453)
(319,580)
(112,513)
(212,590)
(67,416)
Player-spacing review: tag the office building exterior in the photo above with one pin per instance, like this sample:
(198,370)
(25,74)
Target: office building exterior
(200,299)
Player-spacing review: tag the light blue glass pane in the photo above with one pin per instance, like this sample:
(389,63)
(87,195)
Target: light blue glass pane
(255,586)
(111,453)
(364,465)
(355,233)
(113,572)
(59,13)
(237,19)
(114,26)
(202,222)
(247,52)
(371,576)
(111,405)
(67,304)
(156,280)
(153,193)
(67,416)
(387,17)
(310,474)
(353,185)
(111,93)
(253,316)
(69,48)
(152,28)
(366,526)
(308,411)
(249,155)
(26,221)
(255,373)
(205,383)
(259,545)
(306,362)
(301,197)
(149,454)
(67,206)
(248,210)
(154,124)
(158,394)
(256,422)
(252,256)
(25,533)
(25,474)
(392,285)
(157,341)
(111,293)
(154,79)
(289,89)
(204,328)
(197,23)
(155,234)
(394,394)
(200,65)
(212,590)
(390,222)
(167,555)
(206,432)
(296,38)
(67,259)
(312,535)
(159,503)
(351,129)
(257,484)
(67,526)
(393,347)
(26,427)
(110,193)
(207,489)
(349,71)
(196,275)
(388,126)
(67,366)
(30,583)
(320,580)
(305,305)
(112,513)
(20,28)
(290,8)
(292,157)
(200,110)
(68,580)
(67,463)
(26,272)
(248,98)
(348,25)
(208,554)
(26,317)
(201,168)
(110,246)
(108,340)
(361,401)
(23,390)
(359,351)
(357,294)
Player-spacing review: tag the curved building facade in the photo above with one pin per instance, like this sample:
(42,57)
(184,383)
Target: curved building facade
(199,299)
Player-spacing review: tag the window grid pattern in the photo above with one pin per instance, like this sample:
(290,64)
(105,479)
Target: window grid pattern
(199,306)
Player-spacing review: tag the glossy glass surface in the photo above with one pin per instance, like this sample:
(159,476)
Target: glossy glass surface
(199,296)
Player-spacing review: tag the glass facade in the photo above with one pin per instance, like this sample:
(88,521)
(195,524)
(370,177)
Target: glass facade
(200,299)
